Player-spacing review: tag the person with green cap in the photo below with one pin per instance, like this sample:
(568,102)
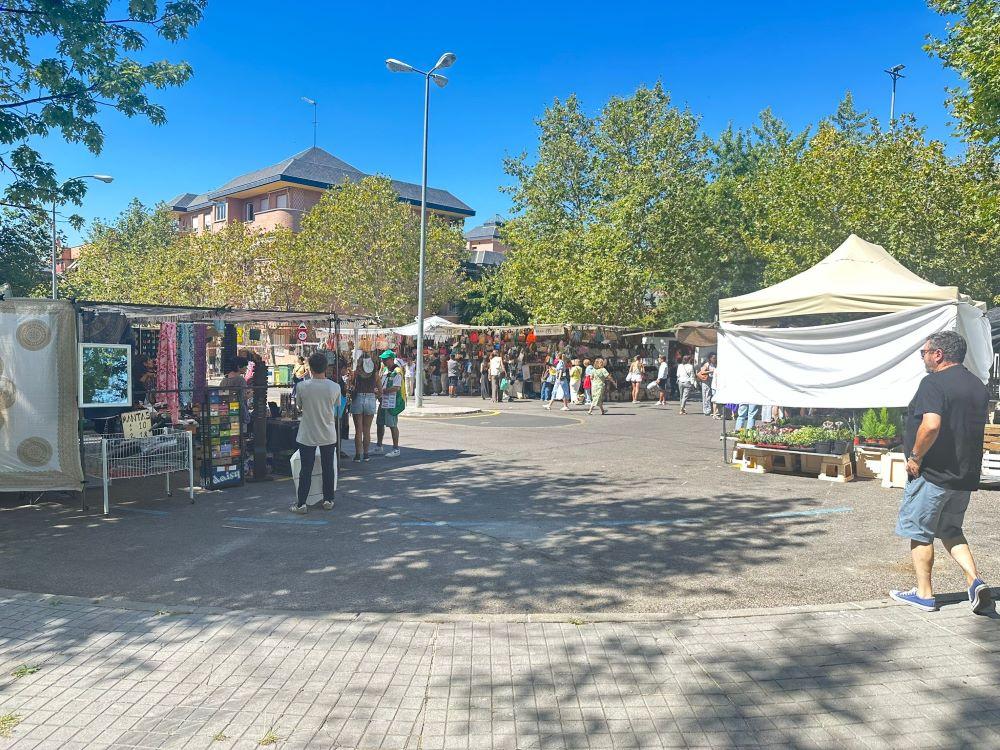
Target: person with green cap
(392,385)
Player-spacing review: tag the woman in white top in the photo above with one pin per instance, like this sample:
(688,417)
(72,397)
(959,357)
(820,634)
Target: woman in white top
(685,380)
(635,374)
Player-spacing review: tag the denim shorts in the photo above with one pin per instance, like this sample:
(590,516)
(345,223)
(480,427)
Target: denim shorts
(453,380)
(929,511)
(385,419)
(363,403)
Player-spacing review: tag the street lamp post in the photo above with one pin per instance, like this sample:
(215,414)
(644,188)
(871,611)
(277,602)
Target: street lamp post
(55,237)
(445,61)
(895,72)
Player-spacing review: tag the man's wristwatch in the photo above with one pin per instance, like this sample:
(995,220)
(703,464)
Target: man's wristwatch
(913,457)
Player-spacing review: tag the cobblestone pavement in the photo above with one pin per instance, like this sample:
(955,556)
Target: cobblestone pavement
(865,675)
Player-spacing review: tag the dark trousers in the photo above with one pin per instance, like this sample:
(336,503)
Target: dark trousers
(307,453)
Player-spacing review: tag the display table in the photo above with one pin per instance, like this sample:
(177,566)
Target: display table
(830,467)
(281,434)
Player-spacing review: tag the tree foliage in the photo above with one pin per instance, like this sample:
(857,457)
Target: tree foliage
(362,246)
(485,302)
(634,217)
(357,252)
(25,247)
(61,61)
(972,49)
(614,222)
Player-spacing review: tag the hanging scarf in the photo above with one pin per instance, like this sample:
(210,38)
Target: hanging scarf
(185,362)
(166,370)
(200,361)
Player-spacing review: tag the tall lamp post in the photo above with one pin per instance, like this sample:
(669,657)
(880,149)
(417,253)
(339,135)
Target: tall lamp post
(895,72)
(445,61)
(55,237)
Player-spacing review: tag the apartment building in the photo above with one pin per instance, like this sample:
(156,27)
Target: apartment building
(483,244)
(281,194)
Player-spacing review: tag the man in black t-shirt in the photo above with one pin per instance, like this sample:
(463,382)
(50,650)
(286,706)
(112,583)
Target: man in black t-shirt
(944,448)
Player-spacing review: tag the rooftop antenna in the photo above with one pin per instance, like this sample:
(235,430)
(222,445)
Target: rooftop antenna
(307,100)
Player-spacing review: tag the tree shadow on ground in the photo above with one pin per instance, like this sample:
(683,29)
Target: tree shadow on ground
(436,530)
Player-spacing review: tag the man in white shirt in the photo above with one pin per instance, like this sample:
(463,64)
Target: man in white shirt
(663,380)
(496,374)
(319,399)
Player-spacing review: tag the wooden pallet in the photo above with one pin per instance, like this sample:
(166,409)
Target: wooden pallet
(991,438)
(869,461)
(827,466)
(894,470)
(991,466)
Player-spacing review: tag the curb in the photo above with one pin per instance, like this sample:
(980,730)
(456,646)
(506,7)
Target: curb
(579,618)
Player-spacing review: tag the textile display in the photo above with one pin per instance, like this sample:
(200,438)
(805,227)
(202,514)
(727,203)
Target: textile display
(859,364)
(857,277)
(166,370)
(185,362)
(200,361)
(38,396)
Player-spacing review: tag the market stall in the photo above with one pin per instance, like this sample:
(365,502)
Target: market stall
(240,431)
(863,361)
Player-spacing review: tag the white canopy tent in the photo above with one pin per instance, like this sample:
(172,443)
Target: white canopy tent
(857,364)
(857,277)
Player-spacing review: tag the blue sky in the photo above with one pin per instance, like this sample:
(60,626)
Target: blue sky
(726,60)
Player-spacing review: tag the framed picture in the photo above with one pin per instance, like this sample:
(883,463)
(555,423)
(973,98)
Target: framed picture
(105,375)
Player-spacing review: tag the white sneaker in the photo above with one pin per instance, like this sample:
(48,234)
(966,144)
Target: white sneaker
(300,509)
(328,505)
(565,408)
(548,407)
(377,450)
(394,453)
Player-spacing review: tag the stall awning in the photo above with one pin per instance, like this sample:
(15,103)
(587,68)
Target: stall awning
(857,277)
(858,364)
(181,313)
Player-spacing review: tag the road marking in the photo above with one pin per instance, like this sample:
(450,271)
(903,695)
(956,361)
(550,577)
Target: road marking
(142,510)
(292,521)
(816,512)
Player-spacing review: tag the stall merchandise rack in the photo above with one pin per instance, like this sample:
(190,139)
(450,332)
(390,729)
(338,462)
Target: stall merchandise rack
(222,438)
(163,451)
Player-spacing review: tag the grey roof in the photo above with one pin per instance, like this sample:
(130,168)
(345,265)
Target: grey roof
(318,168)
(488,231)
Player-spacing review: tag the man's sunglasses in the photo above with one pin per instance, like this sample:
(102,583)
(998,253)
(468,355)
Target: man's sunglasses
(924,352)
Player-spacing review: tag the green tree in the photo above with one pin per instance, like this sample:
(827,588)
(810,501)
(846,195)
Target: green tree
(485,302)
(972,49)
(64,60)
(613,214)
(936,215)
(25,247)
(132,259)
(360,246)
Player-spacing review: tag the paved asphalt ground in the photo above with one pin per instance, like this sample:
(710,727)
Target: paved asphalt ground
(524,511)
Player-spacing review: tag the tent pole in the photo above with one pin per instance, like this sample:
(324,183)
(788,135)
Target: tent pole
(725,442)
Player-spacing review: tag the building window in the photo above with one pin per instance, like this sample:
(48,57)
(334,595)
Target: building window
(220,211)
(265,203)
(249,208)
(281,200)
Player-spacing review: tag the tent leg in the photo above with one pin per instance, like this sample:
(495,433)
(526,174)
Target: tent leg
(725,442)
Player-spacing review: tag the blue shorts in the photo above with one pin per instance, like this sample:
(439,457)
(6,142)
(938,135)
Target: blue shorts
(930,512)
(453,380)
(363,403)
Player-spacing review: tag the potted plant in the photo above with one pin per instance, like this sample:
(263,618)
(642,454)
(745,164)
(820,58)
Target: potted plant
(805,438)
(870,427)
(842,439)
